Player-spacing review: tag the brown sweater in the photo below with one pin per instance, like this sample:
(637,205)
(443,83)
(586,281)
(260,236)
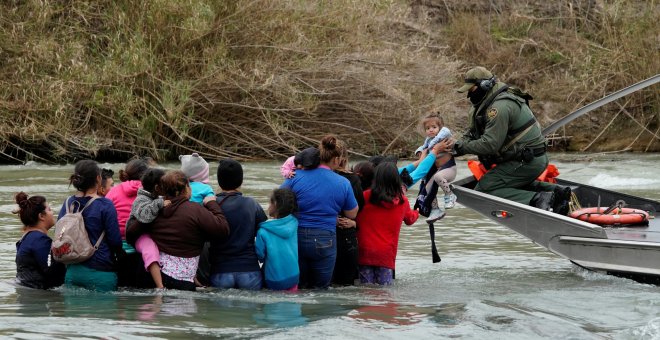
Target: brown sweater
(182,227)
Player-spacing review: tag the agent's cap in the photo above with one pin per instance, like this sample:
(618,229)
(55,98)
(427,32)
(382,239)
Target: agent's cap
(195,168)
(473,76)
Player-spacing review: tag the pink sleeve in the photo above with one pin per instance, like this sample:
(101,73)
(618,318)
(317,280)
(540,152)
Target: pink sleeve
(287,167)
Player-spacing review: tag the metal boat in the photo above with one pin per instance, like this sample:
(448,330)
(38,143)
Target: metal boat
(628,251)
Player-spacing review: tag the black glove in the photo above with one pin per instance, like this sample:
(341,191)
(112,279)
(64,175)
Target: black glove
(405,178)
(457,150)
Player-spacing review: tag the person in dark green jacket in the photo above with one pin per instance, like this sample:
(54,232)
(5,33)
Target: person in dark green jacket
(504,132)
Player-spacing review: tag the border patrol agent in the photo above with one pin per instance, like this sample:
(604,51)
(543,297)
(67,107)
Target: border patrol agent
(504,131)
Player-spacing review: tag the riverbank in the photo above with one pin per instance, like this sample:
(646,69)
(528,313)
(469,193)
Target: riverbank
(258,80)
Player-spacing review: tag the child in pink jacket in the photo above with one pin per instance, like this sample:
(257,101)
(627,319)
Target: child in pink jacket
(123,195)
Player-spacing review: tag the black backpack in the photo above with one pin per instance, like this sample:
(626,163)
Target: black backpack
(424,198)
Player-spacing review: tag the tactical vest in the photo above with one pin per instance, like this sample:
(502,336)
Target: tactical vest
(524,131)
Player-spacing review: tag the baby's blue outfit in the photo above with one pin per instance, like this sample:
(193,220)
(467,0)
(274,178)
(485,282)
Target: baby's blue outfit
(429,142)
(200,190)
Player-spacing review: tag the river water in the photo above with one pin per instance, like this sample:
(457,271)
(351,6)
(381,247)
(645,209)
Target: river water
(492,283)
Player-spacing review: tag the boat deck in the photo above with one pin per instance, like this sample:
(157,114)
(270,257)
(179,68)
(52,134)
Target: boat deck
(650,233)
(589,196)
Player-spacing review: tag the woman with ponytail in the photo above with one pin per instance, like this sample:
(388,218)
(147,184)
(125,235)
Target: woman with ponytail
(98,272)
(34,265)
(322,195)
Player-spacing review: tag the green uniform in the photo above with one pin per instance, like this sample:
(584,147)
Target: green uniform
(506,133)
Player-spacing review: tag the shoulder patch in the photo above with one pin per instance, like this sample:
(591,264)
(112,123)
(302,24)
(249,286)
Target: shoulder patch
(492,113)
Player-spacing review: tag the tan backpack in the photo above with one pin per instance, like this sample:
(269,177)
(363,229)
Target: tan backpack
(71,243)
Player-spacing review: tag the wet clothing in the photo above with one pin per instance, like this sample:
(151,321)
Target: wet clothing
(239,280)
(122,196)
(504,131)
(34,266)
(236,252)
(79,275)
(379,228)
(277,247)
(376,275)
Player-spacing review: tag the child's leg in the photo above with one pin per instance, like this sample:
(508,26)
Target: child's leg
(151,257)
(367,274)
(443,178)
(384,276)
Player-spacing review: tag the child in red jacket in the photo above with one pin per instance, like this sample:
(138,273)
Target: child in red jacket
(379,224)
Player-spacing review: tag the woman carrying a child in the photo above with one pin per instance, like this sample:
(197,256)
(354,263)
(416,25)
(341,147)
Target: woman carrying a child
(123,195)
(321,195)
(180,231)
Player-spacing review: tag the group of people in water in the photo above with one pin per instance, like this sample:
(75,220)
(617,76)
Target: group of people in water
(328,224)
(162,228)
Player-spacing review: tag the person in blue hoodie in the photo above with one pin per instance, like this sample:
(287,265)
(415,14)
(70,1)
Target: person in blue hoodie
(277,242)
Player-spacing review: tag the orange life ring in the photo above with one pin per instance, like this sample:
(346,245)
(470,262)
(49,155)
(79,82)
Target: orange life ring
(618,216)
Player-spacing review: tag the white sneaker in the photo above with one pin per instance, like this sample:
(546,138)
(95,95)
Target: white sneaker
(436,214)
(450,201)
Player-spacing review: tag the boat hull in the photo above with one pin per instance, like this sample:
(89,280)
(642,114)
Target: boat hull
(632,252)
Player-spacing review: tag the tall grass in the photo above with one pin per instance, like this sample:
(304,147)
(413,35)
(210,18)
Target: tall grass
(246,79)
(261,79)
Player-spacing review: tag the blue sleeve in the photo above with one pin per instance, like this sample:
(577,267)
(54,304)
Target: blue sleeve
(41,249)
(410,167)
(208,191)
(443,134)
(286,184)
(260,246)
(419,149)
(423,168)
(111,224)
